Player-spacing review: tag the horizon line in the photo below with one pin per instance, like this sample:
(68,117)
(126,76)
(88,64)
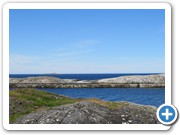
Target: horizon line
(95,73)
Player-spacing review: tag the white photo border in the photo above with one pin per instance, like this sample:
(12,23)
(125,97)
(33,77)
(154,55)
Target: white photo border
(8,6)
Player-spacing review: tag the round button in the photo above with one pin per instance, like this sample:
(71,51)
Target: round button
(167,114)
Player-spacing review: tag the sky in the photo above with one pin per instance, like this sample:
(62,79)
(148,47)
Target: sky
(87,41)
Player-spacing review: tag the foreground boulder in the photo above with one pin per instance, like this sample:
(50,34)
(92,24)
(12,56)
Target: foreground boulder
(92,113)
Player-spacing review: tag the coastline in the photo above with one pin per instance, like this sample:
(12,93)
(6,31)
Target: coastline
(83,85)
(136,81)
(31,106)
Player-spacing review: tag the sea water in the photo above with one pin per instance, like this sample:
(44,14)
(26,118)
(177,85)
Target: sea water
(144,96)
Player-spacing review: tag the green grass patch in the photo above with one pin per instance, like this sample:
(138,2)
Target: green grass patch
(25,101)
(110,105)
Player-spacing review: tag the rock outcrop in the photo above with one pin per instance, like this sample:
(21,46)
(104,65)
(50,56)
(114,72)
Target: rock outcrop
(40,79)
(92,113)
(143,81)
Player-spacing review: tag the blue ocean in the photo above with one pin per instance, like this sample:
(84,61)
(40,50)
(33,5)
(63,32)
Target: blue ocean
(144,96)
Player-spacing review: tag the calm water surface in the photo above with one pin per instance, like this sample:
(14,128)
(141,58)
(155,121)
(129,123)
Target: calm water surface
(144,96)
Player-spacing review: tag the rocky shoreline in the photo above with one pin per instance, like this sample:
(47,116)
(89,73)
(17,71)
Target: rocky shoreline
(138,81)
(31,106)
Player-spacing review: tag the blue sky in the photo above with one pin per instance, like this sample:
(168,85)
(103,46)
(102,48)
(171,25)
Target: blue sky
(87,41)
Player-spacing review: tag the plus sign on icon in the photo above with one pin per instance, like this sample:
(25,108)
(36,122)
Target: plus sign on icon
(167,114)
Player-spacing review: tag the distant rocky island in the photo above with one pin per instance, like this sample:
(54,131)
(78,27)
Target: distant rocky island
(135,81)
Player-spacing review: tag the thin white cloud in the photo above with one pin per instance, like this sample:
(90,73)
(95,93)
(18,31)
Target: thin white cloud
(85,43)
(22,59)
(75,50)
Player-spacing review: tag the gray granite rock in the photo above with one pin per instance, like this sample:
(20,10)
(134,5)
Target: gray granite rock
(141,79)
(92,113)
(40,79)
(136,81)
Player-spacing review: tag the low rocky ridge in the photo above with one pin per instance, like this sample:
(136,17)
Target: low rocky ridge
(152,81)
(141,79)
(44,79)
(92,113)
